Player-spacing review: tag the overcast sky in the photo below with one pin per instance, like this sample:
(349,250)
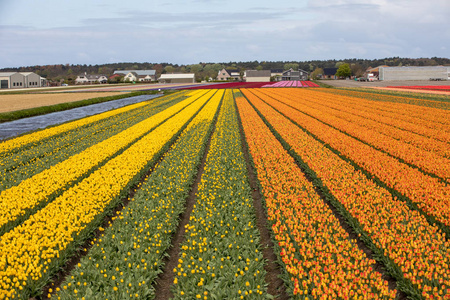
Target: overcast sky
(193,31)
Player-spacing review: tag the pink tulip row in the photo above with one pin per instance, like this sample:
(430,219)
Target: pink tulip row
(296,83)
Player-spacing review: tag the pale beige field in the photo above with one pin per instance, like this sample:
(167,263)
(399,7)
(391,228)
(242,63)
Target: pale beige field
(10,103)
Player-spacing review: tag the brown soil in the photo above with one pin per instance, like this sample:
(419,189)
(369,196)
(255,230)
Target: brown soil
(16,102)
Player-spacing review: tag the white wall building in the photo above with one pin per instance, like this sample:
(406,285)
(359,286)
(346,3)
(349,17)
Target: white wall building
(177,78)
(414,73)
(138,75)
(16,80)
(91,79)
(257,76)
(32,79)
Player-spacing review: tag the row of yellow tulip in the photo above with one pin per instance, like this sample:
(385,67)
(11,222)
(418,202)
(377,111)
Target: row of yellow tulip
(351,110)
(427,192)
(19,200)
(404,98)
(41,155)
(318,253)
(220,257)
(31,252)
(415,252)
(12,144)
(127,258)
(428,161)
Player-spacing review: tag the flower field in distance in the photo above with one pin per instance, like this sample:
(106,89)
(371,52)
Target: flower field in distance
(159,196)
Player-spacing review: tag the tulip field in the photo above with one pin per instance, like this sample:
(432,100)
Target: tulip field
(156,200)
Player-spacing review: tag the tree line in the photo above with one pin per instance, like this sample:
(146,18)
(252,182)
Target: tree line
(205,71)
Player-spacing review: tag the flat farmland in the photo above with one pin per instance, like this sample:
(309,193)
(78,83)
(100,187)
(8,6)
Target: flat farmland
(250,193)
(16,102)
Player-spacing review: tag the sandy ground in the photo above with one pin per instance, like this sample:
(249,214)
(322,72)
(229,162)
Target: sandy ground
(23,101)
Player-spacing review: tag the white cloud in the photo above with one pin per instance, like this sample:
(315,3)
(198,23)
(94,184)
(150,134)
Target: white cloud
(217,31)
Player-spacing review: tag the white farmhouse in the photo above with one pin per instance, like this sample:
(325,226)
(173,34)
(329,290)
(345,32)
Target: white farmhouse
(91,79)
(138,75)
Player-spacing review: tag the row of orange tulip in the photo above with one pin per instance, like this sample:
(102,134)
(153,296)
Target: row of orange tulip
(17,201)
(127,258)
(428,161)
(426,122)
(420,251)
(318,253)
(32,251)
(351,110)
(409,117)
(427,192)
(403,98)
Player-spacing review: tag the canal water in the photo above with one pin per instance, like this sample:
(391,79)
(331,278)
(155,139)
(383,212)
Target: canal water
(13,128)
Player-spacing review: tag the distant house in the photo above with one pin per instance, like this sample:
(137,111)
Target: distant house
(257,75)
(276,73)
(114,77)
(294,75)
(137,75)
(11,80)
(177,78)
(329,73)
(228,74)
(91,79)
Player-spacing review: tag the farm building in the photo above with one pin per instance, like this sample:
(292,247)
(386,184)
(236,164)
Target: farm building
(137,75)
(31,79)
(228,74)
(276,73)
(177,78)
(329,73)
(11,80)
(414,73)
(91,79)
(257,76)
(294,75)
